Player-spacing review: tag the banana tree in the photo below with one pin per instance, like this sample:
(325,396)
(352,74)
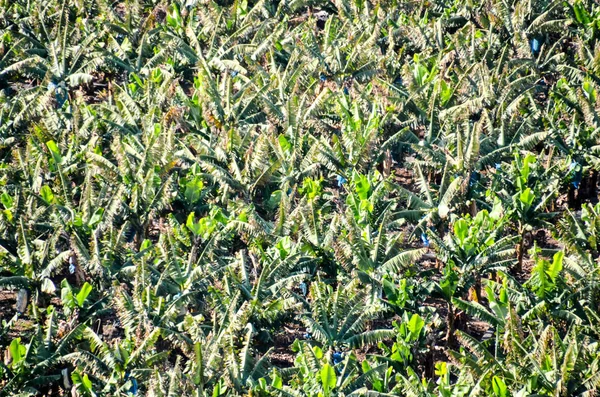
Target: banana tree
(35,366)
(338,317)
(525,198)
(475,247)
(432,205)
(57,54)
(317,374)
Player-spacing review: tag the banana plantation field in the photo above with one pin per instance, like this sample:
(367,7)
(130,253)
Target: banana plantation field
(299,198)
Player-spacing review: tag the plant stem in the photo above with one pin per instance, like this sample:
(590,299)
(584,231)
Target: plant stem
(450,321)
(520,249)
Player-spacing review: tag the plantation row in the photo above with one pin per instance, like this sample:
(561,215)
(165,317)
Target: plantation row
(299,198)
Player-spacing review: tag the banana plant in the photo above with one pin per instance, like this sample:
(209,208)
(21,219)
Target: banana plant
(116,369)
(545,280)
(35,366)
(475,247)
(525,198)
(57,54)
(433,205)
(318,374)
(410,342)
(338,317)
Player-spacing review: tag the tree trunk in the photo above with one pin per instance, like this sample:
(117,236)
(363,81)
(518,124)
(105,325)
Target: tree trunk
(549,158)
(473,208)
(592,193)
(475,290)
(450,321)
(520,249)
(387,163)
(570,197)
(22,300)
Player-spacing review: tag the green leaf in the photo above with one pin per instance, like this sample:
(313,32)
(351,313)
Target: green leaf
(527,197)
(365,366)
(311,188)
(199,370)
(284,143)
(96,217)
(446,91)
(461,229)
(588,88)
(448,283)
(366,205)
(284,246)
(47,194)
(16,350)
(415,325)
(557,265)
(9,215)
(390,290)
(277,382)
(193,190)
(66,294)
(441,368)
(87,383)
(581,14)
(54,151)
(174,16)
(525,169)
(83,293)
(328,378)
(318,352)
(6,201)
(362,187)
(194,227)
(499,387)
(145,244)
(497,210)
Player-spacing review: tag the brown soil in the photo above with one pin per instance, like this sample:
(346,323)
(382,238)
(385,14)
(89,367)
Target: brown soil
(545,240)
(282,355)
(403,177)
(8,299)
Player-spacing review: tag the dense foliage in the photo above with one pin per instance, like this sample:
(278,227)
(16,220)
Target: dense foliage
(299,198)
